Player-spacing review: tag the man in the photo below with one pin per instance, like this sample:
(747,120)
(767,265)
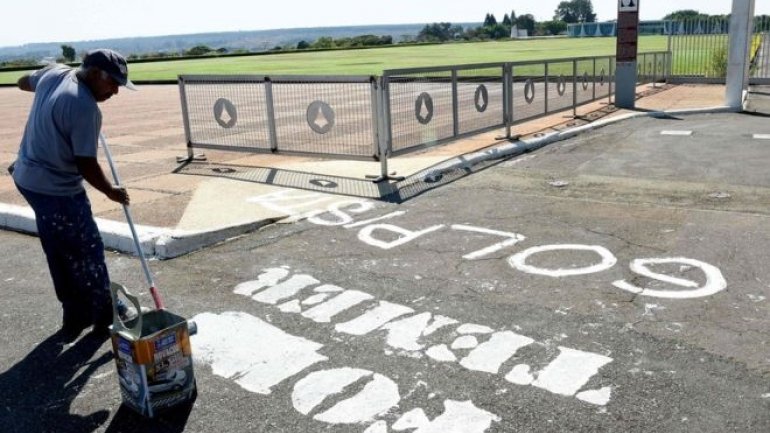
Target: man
(58,150)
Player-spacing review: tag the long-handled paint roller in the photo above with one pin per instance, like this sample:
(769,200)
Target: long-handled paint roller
(153,290)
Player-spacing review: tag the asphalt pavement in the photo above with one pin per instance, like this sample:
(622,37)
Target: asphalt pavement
(616,280)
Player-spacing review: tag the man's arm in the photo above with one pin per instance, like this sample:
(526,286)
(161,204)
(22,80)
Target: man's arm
(24,84)
(92,172)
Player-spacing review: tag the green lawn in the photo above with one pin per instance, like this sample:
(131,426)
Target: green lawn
(374,61)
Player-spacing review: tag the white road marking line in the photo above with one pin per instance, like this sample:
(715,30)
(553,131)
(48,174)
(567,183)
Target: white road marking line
(676,132)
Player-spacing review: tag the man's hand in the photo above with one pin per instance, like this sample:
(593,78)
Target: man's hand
(92,172)
(119,194)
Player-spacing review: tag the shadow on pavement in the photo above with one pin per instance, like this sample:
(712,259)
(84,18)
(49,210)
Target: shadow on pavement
(170,421)
(38,391)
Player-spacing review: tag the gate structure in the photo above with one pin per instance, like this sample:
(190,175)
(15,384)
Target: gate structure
(357,117)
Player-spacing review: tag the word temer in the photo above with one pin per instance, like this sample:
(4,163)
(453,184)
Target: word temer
(565,375)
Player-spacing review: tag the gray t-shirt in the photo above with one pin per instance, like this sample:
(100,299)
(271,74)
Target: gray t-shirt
(64,122)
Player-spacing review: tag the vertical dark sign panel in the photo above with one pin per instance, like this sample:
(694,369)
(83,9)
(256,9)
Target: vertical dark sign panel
(628,36)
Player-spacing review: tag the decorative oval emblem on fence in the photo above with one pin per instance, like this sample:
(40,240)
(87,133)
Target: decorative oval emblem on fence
(561,85)
(225,113)
(423,108)
(320,117)
(481,98)
(585,80)
(529,91)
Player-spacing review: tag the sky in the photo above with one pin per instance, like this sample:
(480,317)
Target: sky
(79,20)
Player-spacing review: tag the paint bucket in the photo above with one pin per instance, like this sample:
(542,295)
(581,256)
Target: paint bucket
(153,357)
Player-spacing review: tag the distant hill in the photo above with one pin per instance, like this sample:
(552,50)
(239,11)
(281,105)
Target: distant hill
(257,40)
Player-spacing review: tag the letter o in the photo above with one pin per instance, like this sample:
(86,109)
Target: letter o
(519,260)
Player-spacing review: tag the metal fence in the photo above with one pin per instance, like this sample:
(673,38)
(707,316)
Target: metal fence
(331,116)
(700,50)
(404,110)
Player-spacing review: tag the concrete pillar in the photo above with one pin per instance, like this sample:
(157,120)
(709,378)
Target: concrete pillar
(741,22)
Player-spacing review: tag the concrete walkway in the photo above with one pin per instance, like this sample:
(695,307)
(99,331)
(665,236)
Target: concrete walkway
(181,209)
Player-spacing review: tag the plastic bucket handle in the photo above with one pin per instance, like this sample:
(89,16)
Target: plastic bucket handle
(117,324)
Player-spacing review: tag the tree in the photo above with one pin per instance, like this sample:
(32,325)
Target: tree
(554,27)
(440,32)
(489,20)
(302,45)
(199,50)
(526,22)
(507,20)
(575,11)
(68,53)
(685,15)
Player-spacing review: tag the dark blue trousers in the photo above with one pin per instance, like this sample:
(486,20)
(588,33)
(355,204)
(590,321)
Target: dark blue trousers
(75,254)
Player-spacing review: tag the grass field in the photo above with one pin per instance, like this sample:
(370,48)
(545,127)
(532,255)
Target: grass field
(374,61)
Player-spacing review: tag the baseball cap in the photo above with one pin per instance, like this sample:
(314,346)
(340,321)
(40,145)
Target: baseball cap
(110,62)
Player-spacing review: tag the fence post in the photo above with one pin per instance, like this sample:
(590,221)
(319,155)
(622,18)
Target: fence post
(545,104)
(574,88)
(455,106)
(375,102)
(186,121)
(508,98)
(611,79)
(271,114)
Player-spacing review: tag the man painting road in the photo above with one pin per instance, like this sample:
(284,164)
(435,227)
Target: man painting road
(58,150)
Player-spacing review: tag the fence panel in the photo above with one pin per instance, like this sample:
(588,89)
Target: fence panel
(303,115)
(225,111)
(333,117)
(529,91)
(421,108)
(479,99)
(560,89)
(760,51)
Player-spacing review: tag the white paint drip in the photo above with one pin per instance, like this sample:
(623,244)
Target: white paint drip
(234,345)
(465,342)
(284,290)
(268,278)
(441,353)
(324,312)
(570,371)
(471,328)
(519,260)
(520,375)
(405,333)
(715,282)
(490,355)
(599,397)
(373,318)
